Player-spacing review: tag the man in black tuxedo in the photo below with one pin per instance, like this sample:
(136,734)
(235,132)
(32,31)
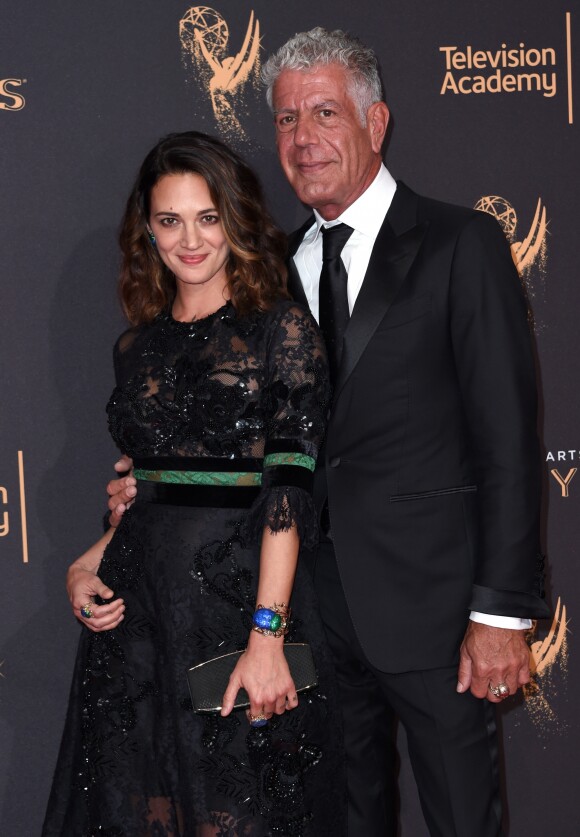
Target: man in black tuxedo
(429,487)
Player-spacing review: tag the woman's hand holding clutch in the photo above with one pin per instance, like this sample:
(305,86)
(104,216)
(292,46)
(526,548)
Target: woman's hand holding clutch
(263,672)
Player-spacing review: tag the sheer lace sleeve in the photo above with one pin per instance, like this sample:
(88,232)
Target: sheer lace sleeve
(297,396)
(122,355)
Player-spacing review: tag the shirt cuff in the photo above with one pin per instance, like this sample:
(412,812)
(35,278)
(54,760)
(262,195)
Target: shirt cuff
(514,623)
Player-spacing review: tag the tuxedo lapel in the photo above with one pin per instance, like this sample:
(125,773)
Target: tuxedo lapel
(294,284)
(394,252)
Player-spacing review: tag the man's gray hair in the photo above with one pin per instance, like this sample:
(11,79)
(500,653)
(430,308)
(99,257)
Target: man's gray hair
(319,47)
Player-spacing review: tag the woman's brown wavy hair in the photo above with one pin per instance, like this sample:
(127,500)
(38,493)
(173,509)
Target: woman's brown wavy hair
(255,268)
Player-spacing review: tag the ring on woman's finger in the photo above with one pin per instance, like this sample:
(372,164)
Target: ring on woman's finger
(259,720)
(87,610)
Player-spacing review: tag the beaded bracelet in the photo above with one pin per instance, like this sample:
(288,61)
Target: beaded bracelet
(271,621)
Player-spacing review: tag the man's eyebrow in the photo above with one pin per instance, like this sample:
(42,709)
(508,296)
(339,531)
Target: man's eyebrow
(327,103)
(316,105)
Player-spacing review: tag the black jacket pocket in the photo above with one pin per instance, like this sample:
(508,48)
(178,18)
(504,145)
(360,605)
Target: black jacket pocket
(438,492)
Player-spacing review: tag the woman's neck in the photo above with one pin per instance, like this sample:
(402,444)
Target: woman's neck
(196,303)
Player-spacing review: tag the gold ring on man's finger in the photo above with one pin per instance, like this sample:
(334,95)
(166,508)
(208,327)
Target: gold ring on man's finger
(502,690)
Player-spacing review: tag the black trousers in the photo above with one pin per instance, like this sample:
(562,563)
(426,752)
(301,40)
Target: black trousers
(452,738)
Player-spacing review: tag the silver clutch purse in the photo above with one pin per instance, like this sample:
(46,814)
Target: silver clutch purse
(208,681)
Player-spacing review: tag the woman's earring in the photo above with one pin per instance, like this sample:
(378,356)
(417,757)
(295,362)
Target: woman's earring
(152,238)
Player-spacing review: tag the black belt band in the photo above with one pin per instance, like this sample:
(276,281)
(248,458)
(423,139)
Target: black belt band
(203,496)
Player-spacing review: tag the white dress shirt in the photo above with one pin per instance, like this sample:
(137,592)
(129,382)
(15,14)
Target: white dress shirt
(365,216)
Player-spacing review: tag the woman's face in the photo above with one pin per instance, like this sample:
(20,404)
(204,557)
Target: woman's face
(189,234)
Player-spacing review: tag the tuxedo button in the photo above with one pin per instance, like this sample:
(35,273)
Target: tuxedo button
(334,462)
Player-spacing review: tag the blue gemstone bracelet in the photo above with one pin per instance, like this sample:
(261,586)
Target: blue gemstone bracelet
(272,621)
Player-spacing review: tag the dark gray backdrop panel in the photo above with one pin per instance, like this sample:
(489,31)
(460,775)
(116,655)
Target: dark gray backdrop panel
(101,82)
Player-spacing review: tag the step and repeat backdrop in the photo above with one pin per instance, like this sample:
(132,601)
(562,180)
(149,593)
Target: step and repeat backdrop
(485,100)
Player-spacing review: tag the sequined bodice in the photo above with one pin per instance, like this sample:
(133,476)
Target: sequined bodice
(222,386)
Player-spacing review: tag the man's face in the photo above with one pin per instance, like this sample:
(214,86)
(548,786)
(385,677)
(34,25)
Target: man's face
(326,154)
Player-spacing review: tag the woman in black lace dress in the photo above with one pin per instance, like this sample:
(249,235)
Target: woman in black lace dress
(220,400)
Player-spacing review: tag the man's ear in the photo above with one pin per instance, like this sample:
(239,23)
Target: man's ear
(377,121)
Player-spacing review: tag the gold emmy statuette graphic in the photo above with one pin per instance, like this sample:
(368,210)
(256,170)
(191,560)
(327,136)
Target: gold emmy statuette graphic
(204,39)
(544,655)
(527,251)
(530,254)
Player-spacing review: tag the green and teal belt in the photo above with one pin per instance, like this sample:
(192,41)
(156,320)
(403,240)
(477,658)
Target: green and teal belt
(214,481)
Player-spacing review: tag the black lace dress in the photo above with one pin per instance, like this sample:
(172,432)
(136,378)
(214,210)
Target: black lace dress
(223,418)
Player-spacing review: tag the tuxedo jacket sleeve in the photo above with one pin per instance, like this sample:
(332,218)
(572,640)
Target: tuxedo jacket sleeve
(493,359)
(432,468)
